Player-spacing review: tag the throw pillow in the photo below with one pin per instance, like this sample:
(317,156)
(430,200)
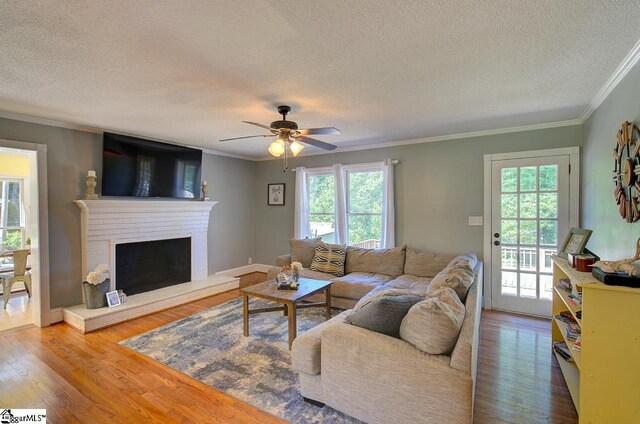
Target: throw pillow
(433,325)
(470,259)
(302,250)
(458,277)
(329,258)
(377,261)
(425,264)
(383,313)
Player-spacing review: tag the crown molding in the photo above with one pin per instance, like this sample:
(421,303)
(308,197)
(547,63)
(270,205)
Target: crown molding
(457,136)
(621,71)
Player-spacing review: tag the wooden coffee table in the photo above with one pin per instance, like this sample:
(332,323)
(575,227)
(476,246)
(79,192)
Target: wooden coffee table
(290,300)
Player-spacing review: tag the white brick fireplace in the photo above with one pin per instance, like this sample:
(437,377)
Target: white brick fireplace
(107,223)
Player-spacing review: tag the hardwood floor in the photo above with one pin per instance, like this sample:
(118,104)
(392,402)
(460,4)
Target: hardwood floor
(90,378)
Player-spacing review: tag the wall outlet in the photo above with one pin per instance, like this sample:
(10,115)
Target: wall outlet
(250,261)
(475,221)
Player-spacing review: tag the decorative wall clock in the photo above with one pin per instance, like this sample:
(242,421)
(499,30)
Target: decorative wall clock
(626,172)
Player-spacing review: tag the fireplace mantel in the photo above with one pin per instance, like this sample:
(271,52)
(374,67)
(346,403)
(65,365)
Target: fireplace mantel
(106,223)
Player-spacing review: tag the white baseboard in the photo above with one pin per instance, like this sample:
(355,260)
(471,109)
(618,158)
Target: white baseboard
(247,269)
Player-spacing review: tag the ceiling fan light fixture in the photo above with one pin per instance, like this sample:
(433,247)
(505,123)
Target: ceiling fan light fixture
(296,148)
(276,148)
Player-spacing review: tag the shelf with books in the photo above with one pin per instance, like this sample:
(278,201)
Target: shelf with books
(570,305)
(575,354)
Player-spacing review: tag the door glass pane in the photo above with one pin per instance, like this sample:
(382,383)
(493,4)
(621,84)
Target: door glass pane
(546,286)
(545,259)
(365,230)
(528,205)
(528,232)
(509,285)
(528,259)
(509,178)
(509,231)
(548,205)
(509,257)
(528,177)
(549,232)
(549,177)
(509,206)
(528,283)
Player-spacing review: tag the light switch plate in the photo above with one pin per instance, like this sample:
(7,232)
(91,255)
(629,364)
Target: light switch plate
(475,221)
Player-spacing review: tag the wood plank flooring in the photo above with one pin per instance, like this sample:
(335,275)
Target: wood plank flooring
(90,378)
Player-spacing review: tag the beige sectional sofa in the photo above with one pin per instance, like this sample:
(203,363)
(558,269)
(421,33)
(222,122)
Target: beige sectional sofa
(381,379)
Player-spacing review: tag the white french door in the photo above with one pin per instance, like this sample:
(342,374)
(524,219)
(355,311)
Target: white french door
(529,218)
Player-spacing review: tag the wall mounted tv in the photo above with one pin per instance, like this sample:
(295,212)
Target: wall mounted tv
(143,168)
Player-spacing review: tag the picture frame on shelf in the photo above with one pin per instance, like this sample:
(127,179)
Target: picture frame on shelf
(575,242)
(113,299)
(276,194)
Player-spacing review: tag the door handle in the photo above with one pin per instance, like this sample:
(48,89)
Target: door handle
(497,243)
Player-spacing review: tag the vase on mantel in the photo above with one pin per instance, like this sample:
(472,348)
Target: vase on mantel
(95,295)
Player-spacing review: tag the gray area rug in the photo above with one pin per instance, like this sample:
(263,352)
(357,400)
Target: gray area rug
(209,346)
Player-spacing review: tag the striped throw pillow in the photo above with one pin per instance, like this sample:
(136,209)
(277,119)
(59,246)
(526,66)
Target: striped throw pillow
(329,258)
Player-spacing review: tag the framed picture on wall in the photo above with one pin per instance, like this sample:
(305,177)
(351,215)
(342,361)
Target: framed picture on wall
(275,194)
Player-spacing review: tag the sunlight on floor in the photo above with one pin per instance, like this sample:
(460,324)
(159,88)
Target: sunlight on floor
(18,312)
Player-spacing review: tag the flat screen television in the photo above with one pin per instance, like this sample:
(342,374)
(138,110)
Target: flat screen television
(143,168)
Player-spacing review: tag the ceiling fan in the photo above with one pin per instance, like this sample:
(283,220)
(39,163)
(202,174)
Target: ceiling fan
(290,135)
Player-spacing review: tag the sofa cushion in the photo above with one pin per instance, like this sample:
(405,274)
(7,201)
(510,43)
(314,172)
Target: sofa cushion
(357,284)
(383,313)
(458,277)
(411,283)
(378,261)
(316,275)
(425,264)
(303,250)
(329,258)
(468,260)
(433,324)
(305,351)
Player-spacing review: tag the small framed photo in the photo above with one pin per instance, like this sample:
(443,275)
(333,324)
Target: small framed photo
(575,242)
(275,194)
(113,299)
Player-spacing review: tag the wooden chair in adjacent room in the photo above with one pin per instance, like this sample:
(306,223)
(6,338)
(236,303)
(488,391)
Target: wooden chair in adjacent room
(20,273)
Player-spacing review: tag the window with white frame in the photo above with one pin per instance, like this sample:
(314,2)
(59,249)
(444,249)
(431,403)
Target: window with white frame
(362,209)
(12,216)
(322,206)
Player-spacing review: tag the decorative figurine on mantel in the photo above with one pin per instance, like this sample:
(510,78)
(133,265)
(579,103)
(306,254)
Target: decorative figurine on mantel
(205,191)
(626,266)
(90,194)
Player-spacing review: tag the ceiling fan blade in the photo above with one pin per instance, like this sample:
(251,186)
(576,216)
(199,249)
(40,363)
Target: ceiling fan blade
(248,136)
(316,143)
(259,125)
(320,131)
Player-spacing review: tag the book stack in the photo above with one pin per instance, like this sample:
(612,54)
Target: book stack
(565,283)
(562,349)
(566,317)
(575,300)
(578,344)
(573,331)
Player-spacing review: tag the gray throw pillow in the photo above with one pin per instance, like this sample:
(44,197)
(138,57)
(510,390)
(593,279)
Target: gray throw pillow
(383,313)
(302,250)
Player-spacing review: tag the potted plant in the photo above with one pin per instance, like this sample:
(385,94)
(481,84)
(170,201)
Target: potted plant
(96,287)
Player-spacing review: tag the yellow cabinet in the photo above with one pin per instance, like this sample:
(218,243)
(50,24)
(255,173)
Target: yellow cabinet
(604,378)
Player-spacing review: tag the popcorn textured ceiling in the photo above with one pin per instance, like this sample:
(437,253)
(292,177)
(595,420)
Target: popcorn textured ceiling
(380,71)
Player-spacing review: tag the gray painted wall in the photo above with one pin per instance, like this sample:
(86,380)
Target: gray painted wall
(612,238)
(437,186)
(71,153)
